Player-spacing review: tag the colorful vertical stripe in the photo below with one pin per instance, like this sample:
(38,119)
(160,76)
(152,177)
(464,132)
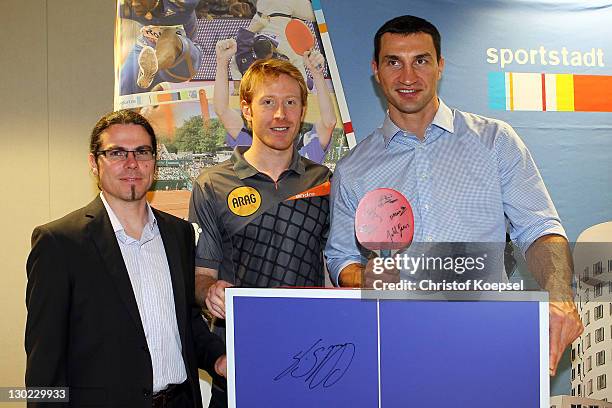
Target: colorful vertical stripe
(527,92)
(543,84)
(497,90)
(549,92)
(550,84)
(565,92)
(593,93)
(335,74)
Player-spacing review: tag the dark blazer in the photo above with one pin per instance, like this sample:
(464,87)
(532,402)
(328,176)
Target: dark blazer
(83,327)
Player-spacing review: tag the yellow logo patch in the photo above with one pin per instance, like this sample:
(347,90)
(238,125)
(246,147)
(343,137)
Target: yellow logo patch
(244,201)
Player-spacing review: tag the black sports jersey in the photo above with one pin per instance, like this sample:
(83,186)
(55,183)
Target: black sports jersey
(259,233)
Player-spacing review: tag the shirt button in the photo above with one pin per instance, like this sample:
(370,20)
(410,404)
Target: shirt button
(429,238)
(426,206)
(424,176)
(146,392)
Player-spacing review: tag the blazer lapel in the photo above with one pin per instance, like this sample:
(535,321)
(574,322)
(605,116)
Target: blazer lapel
(174,256)
(101,232)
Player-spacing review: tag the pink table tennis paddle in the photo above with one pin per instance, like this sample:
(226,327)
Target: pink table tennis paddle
(384,221)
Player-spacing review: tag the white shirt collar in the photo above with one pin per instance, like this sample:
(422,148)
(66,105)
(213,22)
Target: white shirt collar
(117,227)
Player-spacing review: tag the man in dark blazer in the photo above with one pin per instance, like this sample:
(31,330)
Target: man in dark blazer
(110,293)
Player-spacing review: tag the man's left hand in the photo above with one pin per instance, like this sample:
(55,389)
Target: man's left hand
(565,327)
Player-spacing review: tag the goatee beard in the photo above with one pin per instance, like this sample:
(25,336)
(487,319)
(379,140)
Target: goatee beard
(133,193)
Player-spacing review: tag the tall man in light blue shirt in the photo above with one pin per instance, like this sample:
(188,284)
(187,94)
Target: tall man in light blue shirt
(465,175)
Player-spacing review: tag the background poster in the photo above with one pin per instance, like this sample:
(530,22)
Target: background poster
(559,98)
(165,66)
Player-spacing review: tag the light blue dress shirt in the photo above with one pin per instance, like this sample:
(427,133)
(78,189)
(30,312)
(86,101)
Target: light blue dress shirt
(466,180)
(149,273)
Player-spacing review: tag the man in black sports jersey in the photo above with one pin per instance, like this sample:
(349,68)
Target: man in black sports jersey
(263,215)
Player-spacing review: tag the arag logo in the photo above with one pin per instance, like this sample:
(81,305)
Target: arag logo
(244,201)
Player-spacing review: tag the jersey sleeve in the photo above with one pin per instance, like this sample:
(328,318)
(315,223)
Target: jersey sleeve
(204,217)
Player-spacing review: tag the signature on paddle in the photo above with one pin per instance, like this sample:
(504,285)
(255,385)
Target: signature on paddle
(395,231)
(320,366)
(384,201)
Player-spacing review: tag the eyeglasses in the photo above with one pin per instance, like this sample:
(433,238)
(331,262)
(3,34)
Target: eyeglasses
(117,155)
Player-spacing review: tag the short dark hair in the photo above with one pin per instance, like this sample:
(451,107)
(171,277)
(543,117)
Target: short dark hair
(408,25)
(121,117)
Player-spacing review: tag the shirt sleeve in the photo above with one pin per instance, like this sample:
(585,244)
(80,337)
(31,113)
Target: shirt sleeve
(341,249)
(203,215)
(527,204)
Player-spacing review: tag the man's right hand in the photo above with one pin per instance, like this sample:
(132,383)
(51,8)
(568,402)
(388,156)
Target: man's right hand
(350,276)
(226,49)
(215,298)
(359,276)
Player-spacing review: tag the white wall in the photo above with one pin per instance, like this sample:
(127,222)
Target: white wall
(56,79)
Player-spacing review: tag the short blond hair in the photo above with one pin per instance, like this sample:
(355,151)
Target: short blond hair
(271,68)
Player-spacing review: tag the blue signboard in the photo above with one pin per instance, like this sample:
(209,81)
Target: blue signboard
(334,348)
